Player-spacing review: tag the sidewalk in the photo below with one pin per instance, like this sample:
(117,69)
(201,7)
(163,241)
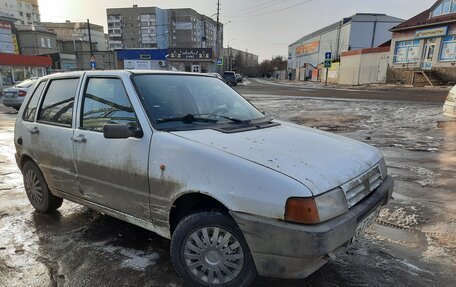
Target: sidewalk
(331,86)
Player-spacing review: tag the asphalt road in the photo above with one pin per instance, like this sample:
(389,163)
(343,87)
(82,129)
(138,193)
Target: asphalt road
(313,90)
(412,244)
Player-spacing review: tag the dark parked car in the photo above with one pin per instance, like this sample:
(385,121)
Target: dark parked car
(230,78)
(239,78)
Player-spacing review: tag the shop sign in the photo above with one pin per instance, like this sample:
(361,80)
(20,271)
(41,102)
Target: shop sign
(431,33)
(138,64)
(306,49)
(190,54)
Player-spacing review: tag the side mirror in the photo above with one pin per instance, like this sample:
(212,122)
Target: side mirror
(121,131)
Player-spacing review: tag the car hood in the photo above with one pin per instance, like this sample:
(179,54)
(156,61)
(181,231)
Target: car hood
(319,160)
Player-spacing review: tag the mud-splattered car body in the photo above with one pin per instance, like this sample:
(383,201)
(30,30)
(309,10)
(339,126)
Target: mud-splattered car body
(259,171)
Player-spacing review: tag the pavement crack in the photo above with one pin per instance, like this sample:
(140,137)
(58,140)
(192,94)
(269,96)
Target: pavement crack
(57,279)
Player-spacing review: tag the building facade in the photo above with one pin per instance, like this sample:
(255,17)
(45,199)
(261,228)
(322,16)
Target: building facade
(152,27)
(78,31)
(8,40)
(34,40)
(242,62)
(26,12)
(425,47)
(359,31)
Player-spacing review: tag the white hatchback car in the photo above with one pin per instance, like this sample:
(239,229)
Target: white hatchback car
(185,156)
(449,109)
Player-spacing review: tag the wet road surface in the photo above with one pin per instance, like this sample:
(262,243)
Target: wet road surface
(412,244)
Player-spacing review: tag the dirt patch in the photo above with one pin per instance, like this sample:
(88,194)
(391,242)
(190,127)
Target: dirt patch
(332,123)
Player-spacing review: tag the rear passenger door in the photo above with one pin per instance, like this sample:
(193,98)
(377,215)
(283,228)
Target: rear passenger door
(111,172)
(51,134)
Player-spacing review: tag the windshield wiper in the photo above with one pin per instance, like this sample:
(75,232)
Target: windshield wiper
(236,120)
(187,119)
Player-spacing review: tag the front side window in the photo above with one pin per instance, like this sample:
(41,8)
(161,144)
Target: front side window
(106,101)
(30,111)
(407,51)
(448,51)
(179,102)
(57,106)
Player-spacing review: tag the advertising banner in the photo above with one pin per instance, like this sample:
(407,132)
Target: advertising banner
(431,33)
(190,54)
(306,49)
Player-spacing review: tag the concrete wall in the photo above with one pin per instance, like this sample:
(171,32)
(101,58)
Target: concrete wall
(36,43)
(105,60)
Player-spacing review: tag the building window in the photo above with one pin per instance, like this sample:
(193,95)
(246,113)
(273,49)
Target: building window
(49,43)
(406,51)
(445,7)
(448,51)
(43,42)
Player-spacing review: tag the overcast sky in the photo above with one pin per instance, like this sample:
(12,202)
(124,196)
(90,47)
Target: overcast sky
(263,27)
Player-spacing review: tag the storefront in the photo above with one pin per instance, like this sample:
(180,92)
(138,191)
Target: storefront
(426,42)
(196,60)
(15,68)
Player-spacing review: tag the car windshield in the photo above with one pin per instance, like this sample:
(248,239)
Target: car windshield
(187,102)
(25,84)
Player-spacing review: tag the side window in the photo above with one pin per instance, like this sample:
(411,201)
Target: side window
(57,106)
(30,111)
(106,101)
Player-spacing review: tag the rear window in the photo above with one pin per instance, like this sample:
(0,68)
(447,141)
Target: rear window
(30,111)
(57,106)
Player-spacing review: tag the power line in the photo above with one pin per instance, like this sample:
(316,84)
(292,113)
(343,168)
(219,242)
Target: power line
(259,9)
(277,11)
(255,6)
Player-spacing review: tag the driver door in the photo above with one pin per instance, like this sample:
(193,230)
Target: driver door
(111,172)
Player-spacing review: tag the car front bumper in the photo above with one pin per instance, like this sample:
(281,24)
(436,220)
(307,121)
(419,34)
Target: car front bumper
(287,250)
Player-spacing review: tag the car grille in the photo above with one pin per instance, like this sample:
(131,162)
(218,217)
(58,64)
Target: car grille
(358,188)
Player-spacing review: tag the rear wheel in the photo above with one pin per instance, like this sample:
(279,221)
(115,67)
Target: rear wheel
(208,249)
(37,190)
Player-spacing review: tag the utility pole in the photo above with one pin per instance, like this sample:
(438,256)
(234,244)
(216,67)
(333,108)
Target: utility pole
(90,38)
(217,52)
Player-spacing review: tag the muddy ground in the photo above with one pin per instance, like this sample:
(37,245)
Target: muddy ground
(412,244)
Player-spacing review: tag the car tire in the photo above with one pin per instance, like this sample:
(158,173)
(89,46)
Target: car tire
(211,242)
(37,189)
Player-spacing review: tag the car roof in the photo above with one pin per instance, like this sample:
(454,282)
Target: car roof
(120,73)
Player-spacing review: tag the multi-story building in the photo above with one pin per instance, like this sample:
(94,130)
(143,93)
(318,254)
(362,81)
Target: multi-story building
(77,32)
(26,12)
(152,27)
(359,31)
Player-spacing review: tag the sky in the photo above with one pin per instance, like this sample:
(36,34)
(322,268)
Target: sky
(262,27)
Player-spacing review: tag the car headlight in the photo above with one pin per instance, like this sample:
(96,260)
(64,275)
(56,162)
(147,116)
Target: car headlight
(452,96)
(313,210)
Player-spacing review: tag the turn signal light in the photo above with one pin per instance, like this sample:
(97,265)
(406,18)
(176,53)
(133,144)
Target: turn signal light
(22,93)
(302,210)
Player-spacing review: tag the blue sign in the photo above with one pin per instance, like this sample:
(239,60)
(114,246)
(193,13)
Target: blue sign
(93,64)
(219,61)
(328,55)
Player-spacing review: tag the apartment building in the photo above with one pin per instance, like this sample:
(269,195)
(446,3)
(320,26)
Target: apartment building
(152,27)
(78,32)
(26,12)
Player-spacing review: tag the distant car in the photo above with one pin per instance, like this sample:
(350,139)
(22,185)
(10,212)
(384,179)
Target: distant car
(218,76)
(230,78)
(449,109)
(239,78)
(14,96)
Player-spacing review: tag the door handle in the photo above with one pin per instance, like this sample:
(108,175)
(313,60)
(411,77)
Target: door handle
(79,139)
(34,131)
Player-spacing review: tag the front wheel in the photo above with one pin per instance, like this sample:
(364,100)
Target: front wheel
(208,249)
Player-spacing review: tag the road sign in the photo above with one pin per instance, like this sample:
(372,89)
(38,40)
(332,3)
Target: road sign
(219,61)
(328,55)
(328,63)
(93,64)
(92,59)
